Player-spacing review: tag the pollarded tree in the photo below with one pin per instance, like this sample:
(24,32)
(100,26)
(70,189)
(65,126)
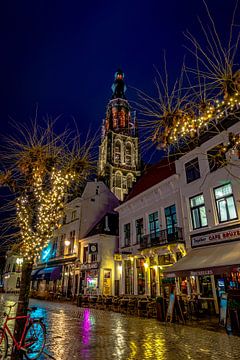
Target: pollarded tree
(40,168)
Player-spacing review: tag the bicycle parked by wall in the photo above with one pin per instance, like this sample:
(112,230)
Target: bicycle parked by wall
(33,337)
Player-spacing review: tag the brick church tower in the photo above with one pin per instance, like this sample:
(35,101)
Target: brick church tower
(119,155)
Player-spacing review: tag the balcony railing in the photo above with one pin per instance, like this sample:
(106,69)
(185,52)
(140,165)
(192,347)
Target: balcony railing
(163,237)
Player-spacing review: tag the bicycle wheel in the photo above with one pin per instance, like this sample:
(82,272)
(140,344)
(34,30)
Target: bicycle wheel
(34,340)
(3,344)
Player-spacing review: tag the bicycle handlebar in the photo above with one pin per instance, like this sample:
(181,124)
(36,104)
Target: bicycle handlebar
(9,306)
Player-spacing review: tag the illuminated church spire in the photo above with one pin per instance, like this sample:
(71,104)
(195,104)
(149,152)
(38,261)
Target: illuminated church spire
(119,156)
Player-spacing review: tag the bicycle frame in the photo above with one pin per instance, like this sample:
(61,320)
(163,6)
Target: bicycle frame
(6,329)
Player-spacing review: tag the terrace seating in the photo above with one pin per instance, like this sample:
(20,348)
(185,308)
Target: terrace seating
(100,302)
(85,301)
(142,307)
(108,302)
(132,306)
(151,308)
(123,305)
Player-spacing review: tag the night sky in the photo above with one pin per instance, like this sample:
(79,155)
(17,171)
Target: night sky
(62,55)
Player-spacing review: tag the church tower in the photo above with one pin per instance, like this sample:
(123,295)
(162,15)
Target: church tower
(119,156)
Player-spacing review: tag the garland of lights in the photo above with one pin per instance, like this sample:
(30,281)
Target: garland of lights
(49,205)
(184,124)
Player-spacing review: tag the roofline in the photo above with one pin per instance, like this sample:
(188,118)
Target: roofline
(145,191)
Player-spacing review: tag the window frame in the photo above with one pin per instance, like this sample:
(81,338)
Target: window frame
(171,215)
(225,197)
(198,208)
(192,164)
(127,239)
(155,232)
(139,235)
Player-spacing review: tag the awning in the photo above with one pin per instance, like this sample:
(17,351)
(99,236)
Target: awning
(34,274)
(215,259)
(49,273)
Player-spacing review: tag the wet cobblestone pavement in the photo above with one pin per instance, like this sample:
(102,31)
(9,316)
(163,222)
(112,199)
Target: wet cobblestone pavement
(91,334)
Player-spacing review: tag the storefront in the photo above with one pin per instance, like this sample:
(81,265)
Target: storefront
(89,278)
(208,272)
(47,279)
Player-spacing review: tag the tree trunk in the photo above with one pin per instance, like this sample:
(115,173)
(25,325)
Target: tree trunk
(22,306)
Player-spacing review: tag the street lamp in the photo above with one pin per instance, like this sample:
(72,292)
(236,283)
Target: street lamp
(19,261)
(67,242)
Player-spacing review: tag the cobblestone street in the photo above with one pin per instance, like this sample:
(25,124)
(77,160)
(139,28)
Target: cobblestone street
(91,334)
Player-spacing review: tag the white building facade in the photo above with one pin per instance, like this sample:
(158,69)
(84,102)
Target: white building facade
(59,270)
(209,179)
(150,232)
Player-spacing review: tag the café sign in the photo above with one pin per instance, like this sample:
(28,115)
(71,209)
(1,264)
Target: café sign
(216,237)
(88,266)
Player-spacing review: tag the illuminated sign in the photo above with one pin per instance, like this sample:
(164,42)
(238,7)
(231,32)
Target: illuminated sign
(216,237)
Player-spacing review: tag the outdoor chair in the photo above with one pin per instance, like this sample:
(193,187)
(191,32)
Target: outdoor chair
(142,307)
(123,305)
(151,309)
(85,301)
(132,306)
(100,302)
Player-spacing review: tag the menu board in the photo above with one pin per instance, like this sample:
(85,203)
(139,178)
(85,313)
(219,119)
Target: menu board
(170,307)
(223,309)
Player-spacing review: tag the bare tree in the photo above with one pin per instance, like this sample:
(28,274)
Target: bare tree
(40,168)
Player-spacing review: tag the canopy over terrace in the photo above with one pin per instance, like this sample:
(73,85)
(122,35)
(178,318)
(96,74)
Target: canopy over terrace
(208,260)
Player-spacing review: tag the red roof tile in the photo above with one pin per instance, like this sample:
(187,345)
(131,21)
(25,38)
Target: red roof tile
(153,175)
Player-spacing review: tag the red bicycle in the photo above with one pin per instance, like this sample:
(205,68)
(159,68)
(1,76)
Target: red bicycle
(33,337)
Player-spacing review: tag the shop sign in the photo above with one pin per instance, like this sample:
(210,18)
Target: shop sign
(117,257)
(216,237)
(201,272)
(93,248)
(169,275)
(88,266)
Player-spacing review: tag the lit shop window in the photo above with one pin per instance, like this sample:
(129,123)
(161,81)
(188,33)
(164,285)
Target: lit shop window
(198,212)
(225,204)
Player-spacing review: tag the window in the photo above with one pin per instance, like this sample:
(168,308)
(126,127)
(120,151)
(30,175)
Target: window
(139,230)
(225,203)
(129,181)
(192,170)
(171,219)
(74,214)
(118,180)
(128,154)
(62,241)
(54,248)
(127,234)
(153,225)
(72,241)
(94,257)
(198,212)
(216,158)
(85,254)
(117,152)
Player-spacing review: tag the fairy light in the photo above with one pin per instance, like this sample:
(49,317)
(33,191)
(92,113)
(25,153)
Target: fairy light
(186,124)
(48,211)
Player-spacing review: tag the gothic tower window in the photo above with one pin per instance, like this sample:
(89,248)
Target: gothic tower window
(129,180)
(118,179)
(128,152)
(117,152)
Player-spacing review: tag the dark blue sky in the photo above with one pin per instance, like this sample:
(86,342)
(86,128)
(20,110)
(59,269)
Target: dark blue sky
(62,55)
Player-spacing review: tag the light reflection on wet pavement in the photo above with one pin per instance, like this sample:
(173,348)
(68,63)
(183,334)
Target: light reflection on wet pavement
(91,334)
